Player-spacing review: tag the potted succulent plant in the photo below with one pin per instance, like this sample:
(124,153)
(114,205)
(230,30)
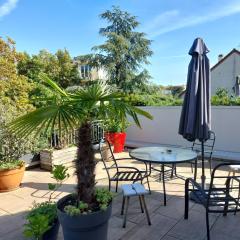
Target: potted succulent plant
(116,133)
(85,214)
(42,221)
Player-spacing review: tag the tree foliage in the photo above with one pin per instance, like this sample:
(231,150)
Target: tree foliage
(14,87)
(124,52)
(59,66)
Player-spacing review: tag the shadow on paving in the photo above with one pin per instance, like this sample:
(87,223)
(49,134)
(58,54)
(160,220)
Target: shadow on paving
(167,221)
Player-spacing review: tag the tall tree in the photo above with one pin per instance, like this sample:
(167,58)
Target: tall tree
(14,88)
(125,50)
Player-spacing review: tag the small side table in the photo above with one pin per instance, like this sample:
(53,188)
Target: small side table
(130,190)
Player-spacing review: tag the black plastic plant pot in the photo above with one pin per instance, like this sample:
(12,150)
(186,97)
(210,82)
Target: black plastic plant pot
(85,227)
(52,233)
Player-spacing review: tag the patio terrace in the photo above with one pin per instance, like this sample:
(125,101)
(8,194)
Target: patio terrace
(167,221)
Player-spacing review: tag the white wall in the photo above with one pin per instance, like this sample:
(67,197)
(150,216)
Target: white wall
(224,75)
(164,128)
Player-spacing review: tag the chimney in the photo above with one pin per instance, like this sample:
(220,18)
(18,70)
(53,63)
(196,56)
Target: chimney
(220,57)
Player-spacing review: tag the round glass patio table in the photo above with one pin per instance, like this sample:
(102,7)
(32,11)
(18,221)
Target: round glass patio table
(163,155)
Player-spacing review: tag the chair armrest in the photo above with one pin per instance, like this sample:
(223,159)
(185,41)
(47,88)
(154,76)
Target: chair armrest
(136,169)
(196,185)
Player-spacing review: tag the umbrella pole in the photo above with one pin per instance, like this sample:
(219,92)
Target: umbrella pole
(203,177)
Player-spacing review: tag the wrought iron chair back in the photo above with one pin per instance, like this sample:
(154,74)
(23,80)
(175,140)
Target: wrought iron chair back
(108,158)
(118,173)
(208,145)
(224,190)
(222,196)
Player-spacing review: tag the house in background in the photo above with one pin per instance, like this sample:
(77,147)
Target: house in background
(226,73)
(89,73)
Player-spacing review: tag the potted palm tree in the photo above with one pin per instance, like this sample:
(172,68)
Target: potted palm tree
(85,214)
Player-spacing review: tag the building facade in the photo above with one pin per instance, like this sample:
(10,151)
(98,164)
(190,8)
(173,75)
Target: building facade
(89,73)
(226,73)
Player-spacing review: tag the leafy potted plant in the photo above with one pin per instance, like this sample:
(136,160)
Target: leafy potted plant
(116,133)
(12,150)
(42,221)
(11,168)
(83,215)
(11,174)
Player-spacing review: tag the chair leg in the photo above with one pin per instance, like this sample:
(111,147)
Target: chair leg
(116,186)
(195,170)
(164,188)
(172,172)
(145,207)
(148,185)
(123,204)
(186,201)
(140,200)
(235,212)
(109,185)
(126,211)
(210,165)
(191,167)
(207,225)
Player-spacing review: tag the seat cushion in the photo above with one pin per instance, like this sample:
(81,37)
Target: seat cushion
(235,167)
(134,189)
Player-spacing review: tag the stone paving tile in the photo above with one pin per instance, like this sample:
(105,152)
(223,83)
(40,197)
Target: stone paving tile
(115,230)
(167,237)
(230,223)
(174,208)
(14,235)
(193,228)
(14,204)
(11,223)
(3,213)
(160,226)
(168,222)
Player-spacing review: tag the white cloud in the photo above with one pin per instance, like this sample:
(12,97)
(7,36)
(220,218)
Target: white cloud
(7,7)
(173,20)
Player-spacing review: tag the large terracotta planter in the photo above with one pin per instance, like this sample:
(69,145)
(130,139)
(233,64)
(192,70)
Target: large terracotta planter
(11,179)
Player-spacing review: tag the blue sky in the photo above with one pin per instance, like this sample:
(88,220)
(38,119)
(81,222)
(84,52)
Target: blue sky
(171,24)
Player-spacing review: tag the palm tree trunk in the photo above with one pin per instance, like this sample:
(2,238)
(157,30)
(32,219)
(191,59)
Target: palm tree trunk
(85,165)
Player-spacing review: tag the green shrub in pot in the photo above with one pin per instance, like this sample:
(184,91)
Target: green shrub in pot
(42,222)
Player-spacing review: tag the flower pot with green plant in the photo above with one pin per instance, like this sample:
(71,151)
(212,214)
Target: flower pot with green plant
(12,149)
(85,214)
(116,133)
(42,221)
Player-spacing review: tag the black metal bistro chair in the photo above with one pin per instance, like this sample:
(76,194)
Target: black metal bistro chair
(208,150)
(221,197)
(117,173)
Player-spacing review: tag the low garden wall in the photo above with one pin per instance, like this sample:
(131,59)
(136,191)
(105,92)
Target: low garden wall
(164,128)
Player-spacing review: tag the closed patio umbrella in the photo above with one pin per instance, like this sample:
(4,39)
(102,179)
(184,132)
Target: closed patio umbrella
(196,116)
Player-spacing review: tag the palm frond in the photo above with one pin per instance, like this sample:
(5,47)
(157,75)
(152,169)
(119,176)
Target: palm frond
(52,85)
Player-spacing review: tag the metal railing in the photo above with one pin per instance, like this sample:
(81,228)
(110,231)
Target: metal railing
(58,141)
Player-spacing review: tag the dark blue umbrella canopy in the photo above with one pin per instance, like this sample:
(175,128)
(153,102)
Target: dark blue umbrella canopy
(196,116)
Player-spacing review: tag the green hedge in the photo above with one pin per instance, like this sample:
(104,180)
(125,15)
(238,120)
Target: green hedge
(169,100)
